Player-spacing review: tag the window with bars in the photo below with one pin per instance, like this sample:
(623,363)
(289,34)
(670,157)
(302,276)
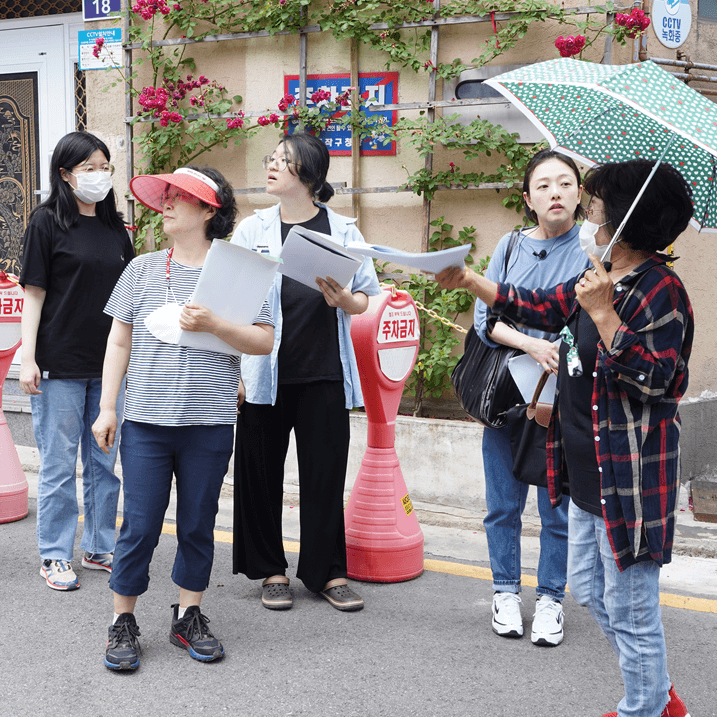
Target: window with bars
(10,9)
(80,100)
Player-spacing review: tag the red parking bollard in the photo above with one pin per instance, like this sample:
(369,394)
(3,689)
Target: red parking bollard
(384,542)
(13,484)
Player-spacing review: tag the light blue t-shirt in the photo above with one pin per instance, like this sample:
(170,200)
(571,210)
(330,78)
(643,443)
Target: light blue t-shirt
(563,260)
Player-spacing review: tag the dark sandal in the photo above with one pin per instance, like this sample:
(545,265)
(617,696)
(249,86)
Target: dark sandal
(341,596)
(275,594)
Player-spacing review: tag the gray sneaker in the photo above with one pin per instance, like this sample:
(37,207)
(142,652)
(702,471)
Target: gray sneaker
(98,561)
(59,575)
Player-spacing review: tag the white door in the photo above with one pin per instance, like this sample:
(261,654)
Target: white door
(42,49)
(42,52)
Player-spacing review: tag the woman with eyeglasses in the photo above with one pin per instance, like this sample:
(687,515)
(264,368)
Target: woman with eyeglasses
(75,248)
(308,384)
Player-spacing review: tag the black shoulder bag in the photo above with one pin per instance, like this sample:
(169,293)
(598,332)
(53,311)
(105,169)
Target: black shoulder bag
(528,425)
(481,379)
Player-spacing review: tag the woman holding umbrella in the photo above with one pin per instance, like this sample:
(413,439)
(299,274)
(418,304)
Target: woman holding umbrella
(614,431)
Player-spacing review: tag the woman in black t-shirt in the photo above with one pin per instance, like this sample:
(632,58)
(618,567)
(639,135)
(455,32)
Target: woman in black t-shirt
(308,384)
(75,248)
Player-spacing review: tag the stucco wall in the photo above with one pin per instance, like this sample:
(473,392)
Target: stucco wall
(255,69)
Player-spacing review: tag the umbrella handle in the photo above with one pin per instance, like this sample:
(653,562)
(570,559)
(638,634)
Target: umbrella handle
(616,236)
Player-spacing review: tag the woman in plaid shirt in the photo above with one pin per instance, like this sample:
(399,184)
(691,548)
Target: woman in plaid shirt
(613,436)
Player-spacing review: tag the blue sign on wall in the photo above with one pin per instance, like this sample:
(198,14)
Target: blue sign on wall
(379,87)
(99,9)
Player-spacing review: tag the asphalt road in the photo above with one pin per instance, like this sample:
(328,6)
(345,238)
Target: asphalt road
(419,648)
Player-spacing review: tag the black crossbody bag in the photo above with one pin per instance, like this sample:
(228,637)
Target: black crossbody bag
(481,379)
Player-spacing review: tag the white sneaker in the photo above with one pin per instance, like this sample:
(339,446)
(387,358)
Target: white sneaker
(59,575)
(547,622)
(507,621)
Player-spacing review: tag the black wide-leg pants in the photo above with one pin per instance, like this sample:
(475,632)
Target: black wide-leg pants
(317,413)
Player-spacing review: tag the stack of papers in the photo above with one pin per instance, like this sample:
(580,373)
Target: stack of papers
(233,284)
(307,255)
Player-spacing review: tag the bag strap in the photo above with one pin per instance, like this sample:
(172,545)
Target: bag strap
(533,412)
(511,245)
(491,321)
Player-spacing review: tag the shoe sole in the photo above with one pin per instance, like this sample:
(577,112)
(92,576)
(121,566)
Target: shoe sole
(343,606)
(95,566)
(58,586)
(179,642)
(511,634)
(124,666)
(545,642)
(277,604)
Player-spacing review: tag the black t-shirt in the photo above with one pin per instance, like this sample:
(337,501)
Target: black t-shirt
(78,270)
(576,423)
(309,349)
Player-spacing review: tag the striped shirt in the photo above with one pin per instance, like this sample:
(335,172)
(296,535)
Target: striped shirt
(167,384)
(638,382)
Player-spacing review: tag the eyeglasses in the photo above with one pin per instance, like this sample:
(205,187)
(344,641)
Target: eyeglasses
(281,162)
(590,211)
(89,169)
(173,194)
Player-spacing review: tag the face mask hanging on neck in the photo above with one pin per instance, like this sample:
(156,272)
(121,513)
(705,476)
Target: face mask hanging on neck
(587,240)
(163,322)
(93,187)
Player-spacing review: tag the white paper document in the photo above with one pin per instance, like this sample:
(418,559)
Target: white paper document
(432,262)
(526,373)
(233,284)
(307,254)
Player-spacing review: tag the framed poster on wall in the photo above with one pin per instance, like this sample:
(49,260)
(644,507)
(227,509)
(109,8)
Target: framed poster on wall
(377,87)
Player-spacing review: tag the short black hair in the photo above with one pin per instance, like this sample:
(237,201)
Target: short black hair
(73,149)
(661,215)
(222,223)
(311,163)
(535,161)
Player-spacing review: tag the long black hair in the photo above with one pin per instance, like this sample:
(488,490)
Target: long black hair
(310,163)
(74,149)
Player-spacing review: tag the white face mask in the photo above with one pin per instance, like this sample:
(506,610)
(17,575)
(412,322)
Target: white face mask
(587,240)
(163,323)
(92,187)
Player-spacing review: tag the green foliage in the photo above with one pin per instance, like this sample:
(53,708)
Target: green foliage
(431,376)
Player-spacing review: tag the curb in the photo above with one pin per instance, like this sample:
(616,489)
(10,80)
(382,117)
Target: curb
(692,538)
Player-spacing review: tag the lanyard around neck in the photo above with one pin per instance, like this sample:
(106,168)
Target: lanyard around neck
(167,275)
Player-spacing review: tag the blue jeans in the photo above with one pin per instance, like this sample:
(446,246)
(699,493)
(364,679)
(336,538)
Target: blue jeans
(505,498)
(626,606)
(199,458)
(62,418)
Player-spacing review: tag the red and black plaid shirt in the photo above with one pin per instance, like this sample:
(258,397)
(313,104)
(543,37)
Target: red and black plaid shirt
(639,381)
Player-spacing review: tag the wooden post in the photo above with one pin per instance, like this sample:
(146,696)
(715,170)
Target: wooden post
(431,117)
(355,142)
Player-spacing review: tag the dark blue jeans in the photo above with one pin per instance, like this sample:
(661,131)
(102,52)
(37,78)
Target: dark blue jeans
(199,457)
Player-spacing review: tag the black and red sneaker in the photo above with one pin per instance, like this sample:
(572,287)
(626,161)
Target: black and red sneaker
(123,648)
(193,634)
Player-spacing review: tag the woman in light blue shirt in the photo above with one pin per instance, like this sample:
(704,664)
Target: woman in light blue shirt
(544,255)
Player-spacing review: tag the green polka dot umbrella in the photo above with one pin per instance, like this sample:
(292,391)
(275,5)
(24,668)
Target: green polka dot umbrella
(613,113)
